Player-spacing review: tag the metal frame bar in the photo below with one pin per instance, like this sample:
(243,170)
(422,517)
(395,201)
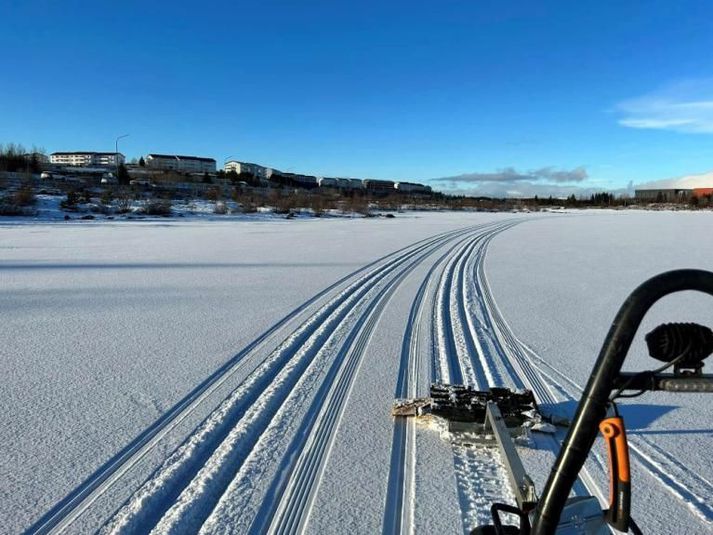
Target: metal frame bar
(522,485)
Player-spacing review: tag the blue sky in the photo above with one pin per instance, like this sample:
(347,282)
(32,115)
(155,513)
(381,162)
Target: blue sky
(508,97)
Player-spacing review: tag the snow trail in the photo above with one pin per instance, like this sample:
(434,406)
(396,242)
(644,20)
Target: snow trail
(184,492)
(259,437)
(193,454)
(293,511)
(458,337)
(65,512)
(398,510)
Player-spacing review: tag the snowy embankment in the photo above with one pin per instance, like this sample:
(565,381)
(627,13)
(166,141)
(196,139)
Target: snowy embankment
(49,208)
(159,347)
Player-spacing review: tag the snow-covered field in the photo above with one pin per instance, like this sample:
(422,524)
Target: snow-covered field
(237,376)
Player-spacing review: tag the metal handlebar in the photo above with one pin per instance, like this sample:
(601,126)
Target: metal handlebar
(593,406)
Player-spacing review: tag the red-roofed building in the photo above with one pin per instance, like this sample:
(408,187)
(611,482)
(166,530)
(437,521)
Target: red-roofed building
(702,192)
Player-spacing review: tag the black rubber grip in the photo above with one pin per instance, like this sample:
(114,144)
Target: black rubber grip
(693,385)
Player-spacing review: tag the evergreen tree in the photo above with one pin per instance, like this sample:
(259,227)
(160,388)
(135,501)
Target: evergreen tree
(123,175)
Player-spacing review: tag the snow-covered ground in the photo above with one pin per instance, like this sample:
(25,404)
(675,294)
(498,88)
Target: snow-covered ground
(111,331)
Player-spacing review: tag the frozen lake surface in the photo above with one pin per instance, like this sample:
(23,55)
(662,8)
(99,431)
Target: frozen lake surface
(110,331)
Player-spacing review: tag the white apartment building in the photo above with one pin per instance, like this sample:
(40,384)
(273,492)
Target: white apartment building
(181,164)
(87,159)
(244,167)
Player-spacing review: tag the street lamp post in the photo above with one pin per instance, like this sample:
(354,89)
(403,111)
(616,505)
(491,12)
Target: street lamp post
(116,153)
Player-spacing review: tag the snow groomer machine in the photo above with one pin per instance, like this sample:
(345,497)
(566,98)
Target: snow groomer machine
(680,347)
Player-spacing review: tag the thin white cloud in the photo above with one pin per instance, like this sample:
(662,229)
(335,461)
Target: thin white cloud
(685,106)
(700,180)
(543,182)
(511,176)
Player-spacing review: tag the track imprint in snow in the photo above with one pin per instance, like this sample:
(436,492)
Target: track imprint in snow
(398,510)
(271,436)
(311,313)
(473,345)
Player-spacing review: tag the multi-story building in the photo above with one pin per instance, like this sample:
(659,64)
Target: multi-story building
(293,179)
(382,186)
(87,159)
(410,187)
(253,169)
(182,164)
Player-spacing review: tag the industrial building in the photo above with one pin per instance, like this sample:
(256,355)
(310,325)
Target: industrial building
(702,192)
(181,164)
(87,159)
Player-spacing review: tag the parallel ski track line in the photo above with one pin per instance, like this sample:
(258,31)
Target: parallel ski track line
(465,363)
(452,371)
(483,333)
(518,366)
(155,499)
(471,370)
(76,502)
(293,510)
(295,506)
(486,372)
(451,366)
(397,518)
(457,368)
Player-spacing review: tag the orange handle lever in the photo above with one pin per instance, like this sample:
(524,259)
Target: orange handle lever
(619,512)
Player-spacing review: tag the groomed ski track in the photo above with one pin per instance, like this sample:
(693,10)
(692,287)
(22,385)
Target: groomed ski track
(256,447)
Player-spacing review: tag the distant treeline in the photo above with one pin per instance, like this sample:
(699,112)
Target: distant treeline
(602,199)
(15,158)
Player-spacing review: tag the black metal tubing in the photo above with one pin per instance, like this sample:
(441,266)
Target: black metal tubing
(592,407)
